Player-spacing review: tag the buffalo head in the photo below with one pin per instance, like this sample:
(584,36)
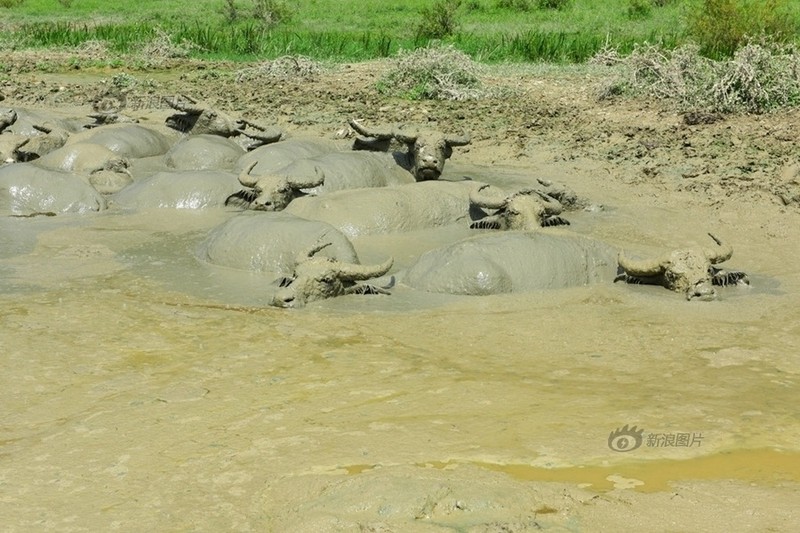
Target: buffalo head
(197,118)
(7,118)
(690,271)
(426,152)
(318,278)
(270,192)
(52,137)
(524,210)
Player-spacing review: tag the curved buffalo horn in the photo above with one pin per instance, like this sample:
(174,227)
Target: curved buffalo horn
(308,183)
(352,272)
(482,200)
(245,178)
(460,140)
(361,130)
(405,138)
(642,267)
(551,205)
(311,252)
(44,128)
(718,255)
(191,109)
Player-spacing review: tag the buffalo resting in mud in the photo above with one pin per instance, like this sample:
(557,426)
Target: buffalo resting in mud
(271,192)
(318,278)
(526,209)
(426,153)
(689,271)
(197,118)
(512,261)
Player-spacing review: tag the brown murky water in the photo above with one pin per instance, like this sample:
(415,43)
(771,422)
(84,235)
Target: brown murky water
(143,391)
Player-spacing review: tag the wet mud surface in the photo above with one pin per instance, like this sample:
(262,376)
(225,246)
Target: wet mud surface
(143,389)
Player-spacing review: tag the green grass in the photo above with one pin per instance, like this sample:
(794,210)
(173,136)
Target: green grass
(345,29)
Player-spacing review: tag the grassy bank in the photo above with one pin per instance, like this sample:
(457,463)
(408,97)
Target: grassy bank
(488,30)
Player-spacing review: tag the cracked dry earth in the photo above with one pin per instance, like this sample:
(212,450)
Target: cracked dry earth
(129,404)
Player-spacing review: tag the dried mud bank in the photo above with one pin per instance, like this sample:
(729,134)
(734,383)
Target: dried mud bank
(136,396)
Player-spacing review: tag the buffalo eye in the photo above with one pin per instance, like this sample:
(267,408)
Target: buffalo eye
(284,281)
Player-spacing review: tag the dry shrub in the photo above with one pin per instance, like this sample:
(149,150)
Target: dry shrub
(436,72)
(282,68)
(759,78)
(93,50)
(161,49)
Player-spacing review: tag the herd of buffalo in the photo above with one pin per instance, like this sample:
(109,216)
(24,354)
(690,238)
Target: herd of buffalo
(296,203)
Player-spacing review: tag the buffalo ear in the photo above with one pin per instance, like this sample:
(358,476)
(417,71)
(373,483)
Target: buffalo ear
(554,221)
(241,199)
(367,289)
(283,281)
(723,278)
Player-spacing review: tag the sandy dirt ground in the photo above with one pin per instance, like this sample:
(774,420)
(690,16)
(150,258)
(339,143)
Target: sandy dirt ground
(132,403)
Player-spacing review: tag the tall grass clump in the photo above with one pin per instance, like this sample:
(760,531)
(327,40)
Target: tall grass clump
(11,3)
(757,79)
(436,73)
(639,9)
(438,21)
(721,27)
(515,5)
(552,4)
(268,12)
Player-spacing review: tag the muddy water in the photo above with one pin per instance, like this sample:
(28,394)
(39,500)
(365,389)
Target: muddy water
(143,390)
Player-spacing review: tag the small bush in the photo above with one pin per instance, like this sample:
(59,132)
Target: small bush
(267,12)
(552,4)
(11,3)
(758,78)
(282,68)
(639,9)
(272,12)
(437,73)
(439,20)
(720,27)
(516,5)
(230,11)
(162,48)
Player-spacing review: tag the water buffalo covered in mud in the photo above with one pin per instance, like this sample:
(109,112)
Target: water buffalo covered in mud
(526,209)
(425,153)
(690,271)
(129,140)
(197,118)
(273,157)
(272,242)
(371,164)
(335,171)
(28,189)
(271,192)
(204,152)
(184,189)
(319,278)
(414,206)
(513,261)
